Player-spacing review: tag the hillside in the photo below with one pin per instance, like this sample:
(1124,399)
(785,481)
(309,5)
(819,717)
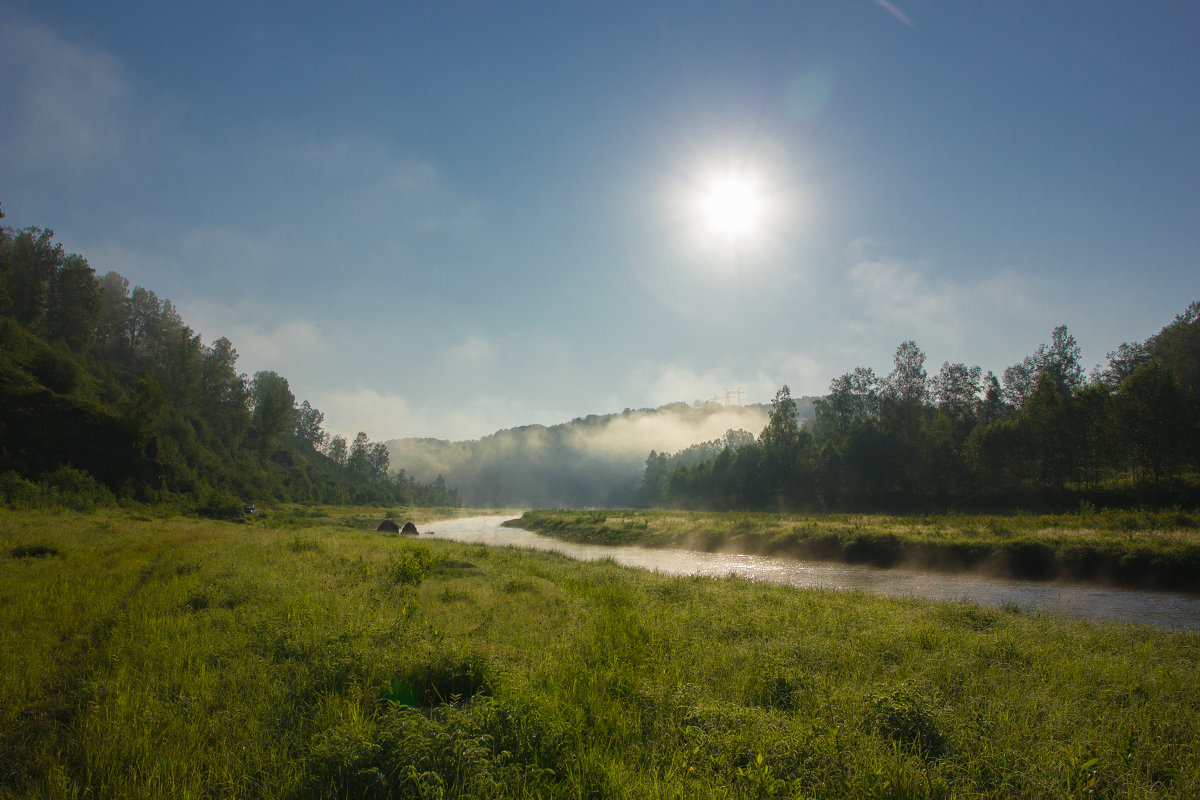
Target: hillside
(106,394)
(594,461)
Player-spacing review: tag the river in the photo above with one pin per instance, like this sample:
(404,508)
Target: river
(1163,609)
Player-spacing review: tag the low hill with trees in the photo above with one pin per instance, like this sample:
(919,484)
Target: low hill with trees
(106,393)
(1041,435)
(589,462)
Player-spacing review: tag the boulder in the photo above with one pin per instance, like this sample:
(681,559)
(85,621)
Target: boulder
(409,529)
(389,526)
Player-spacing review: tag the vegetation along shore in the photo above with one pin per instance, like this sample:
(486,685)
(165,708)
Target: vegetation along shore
(1150,549)
(305,656)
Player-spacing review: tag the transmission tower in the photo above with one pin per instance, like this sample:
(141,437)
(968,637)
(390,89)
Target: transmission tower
(729,397)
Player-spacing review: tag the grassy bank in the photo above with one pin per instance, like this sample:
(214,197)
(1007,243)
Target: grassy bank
(153,657)
(1132,548)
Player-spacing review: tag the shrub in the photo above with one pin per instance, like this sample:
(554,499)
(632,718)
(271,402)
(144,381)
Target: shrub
(66,487)
(79,490)
(413,565)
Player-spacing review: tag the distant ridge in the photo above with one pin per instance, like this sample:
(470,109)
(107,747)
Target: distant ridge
(589,462)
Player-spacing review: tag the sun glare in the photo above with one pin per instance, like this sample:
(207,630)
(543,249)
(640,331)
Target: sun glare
(731,205)
(731,213)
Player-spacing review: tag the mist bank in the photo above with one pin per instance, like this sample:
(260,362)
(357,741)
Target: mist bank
(590,462)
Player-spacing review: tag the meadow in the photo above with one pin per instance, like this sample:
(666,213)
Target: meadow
(1136,548)
(303,655)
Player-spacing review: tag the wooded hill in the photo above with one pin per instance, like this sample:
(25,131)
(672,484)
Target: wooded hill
(106,393)
(588,462)
(1041,435)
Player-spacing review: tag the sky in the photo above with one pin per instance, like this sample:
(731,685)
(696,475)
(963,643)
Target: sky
(443,219)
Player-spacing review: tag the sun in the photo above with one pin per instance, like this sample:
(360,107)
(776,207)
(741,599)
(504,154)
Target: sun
(731,205)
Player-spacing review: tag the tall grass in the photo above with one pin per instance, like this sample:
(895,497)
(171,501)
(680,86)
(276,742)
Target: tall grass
(173,657)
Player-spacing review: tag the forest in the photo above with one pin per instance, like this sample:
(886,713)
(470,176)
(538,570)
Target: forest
(109,395)
(1041,435)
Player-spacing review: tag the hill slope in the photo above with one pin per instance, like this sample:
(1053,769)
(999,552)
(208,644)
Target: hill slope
(594,461)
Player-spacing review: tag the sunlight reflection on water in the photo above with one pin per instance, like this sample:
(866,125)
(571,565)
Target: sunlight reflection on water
(1162,609)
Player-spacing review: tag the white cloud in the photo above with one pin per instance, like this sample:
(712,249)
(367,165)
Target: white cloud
(899,297)
(263,338)
(60,103)
(368,178)
(387,415)
(380,415)
(412,175)
(227,250)
(984,321)
(359,157)
(472,350)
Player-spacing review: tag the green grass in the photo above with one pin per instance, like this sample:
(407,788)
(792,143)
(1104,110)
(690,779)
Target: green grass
(1132,548)
(177,657)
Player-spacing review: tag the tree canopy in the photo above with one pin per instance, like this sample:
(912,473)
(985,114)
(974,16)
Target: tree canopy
(1042,434)
(108,382)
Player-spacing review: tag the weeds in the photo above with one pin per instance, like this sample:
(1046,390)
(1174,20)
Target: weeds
(413,564)
(906,716)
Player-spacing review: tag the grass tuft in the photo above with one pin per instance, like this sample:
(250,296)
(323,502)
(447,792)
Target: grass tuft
(40,550)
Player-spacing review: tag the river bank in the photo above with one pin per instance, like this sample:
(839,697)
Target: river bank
(1149,550)
(1172,610)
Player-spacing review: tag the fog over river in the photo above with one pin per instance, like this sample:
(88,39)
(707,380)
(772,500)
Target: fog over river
(1163,609)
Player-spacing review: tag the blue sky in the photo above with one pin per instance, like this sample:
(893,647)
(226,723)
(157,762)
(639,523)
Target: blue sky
(446,218)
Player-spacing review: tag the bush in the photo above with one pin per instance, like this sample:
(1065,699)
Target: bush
(413,565)
(66,487)
(16,492)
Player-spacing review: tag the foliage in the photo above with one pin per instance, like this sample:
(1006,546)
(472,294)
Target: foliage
(108,382)
(412,564)
(1046,438)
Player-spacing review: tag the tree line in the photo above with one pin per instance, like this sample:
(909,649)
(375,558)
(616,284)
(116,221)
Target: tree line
(104,385)
(1041,434)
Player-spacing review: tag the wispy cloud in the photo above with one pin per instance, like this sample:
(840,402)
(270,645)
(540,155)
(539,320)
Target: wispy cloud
(60,102)
(896,295)
(381,415)
(362,157)
(472,350)
(986,319)
(228,251)
(263,338)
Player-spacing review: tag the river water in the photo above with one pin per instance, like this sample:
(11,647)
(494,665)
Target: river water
(1162,609)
